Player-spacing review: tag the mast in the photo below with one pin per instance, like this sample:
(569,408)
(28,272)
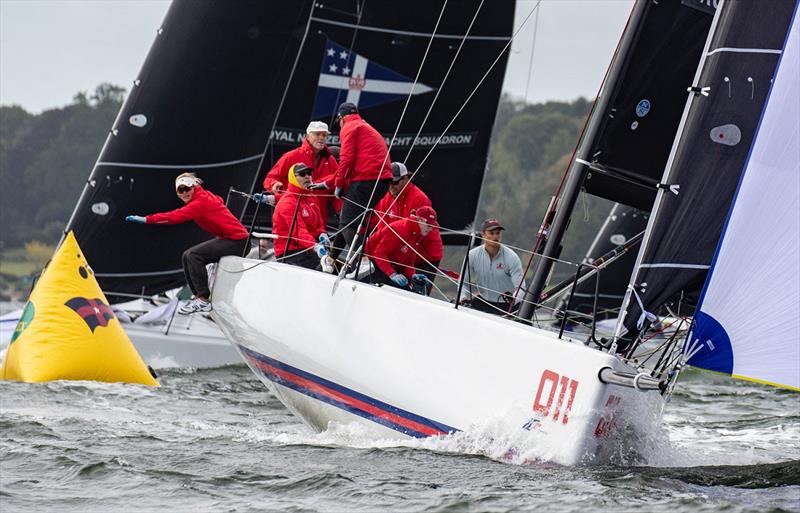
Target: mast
(581,164)
(624,149)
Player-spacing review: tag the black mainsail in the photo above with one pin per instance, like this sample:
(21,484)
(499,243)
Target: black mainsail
(204,102)
(225,90)
(624,149)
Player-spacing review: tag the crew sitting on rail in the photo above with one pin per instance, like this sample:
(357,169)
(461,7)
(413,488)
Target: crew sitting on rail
(314,153)
(297,222)
(401,202)
(393,250)
(496,271)
(210,213)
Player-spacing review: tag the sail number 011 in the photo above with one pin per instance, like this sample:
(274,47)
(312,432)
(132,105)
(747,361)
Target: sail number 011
(551,383)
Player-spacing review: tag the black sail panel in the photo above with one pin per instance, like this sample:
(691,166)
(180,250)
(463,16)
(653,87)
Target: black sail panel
(371,57)
(204,101)
(712,151)
(640,123)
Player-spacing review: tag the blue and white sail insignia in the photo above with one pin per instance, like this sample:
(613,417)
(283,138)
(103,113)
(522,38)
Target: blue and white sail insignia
(346,76)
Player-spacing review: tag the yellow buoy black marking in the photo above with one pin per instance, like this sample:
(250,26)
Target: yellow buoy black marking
(68,331)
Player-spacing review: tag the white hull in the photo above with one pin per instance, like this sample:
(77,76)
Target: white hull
(188,341)
(406,365)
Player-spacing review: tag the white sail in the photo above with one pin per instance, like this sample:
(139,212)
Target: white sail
(748,321)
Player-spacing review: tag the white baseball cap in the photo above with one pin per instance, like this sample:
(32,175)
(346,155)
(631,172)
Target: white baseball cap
(187,181)
(317,126)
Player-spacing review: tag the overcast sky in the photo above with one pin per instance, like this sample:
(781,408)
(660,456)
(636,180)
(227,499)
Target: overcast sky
(51,49)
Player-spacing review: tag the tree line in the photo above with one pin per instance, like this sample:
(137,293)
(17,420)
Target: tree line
(46,158)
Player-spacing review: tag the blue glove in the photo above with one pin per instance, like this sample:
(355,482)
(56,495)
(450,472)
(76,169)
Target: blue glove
(317,186)
(136,219)
(338,192)
(419,278)
(263,197)
(400,279)
(320,249)
(324,239)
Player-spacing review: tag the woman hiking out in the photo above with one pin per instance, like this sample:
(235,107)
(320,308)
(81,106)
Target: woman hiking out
(210,213)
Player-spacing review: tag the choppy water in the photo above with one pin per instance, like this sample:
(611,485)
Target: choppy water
(214,440)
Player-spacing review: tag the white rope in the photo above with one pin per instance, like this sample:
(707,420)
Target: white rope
(645,315)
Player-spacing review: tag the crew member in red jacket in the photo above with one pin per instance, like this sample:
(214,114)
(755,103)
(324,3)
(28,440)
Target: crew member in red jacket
(314,153)
(297,222)
(401,202)
(363,160)
(210,213)
(393,249)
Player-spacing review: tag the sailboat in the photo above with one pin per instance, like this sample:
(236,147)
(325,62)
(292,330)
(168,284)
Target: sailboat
(665,134)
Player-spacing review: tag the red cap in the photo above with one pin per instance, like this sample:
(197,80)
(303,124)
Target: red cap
(427,215)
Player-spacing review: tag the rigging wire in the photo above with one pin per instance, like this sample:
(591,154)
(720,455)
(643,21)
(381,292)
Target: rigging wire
(533,52)
(441,85)
(491,67)
(554,201)
(474,90)
(280,105)
(394,135)
(359,14)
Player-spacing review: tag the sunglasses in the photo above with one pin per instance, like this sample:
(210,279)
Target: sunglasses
(303,172)
(183,189)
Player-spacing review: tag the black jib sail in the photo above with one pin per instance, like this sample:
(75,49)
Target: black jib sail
(226,90)
(624,149)
(723,114)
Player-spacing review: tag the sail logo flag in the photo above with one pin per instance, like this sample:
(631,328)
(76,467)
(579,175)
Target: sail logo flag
(346,76)
(642,108)
(93,311)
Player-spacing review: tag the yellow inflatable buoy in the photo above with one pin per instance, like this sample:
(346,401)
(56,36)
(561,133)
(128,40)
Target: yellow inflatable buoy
(68,331)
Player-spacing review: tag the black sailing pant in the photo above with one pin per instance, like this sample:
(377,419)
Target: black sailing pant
(197,257)
(356,198)
(496,308)
(302,257)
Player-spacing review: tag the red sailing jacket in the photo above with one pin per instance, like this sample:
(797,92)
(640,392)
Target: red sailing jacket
(409,200)
(308,225)
(324,171)
(363,151)
(208,211)
(390,252)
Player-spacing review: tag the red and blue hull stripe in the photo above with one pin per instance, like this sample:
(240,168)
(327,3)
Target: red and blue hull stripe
(342,397)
